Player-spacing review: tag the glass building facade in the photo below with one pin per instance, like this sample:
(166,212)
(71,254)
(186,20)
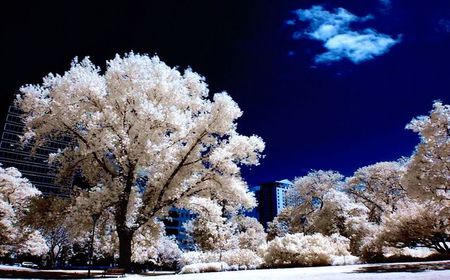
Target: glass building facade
(33,166)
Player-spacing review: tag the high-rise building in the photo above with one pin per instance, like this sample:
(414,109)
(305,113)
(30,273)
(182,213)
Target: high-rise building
(33,166)
(271,198)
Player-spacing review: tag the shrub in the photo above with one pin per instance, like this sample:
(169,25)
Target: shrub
(234,259)
(204,267)
(242,259)
(307,250)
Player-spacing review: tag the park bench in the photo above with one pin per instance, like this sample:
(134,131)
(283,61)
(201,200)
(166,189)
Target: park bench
(119,272)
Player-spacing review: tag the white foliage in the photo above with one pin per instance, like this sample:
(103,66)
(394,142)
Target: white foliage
(305,250)
(34,244)
(235,259)
(428,171)
(242,259)
(378,187)
(205,267)
(15,195)
(163,251)
(417,223)
(141,116)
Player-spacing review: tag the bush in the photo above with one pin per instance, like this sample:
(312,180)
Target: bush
(204,267)
(308,250)
(195,257)
(237,259)
(242,259)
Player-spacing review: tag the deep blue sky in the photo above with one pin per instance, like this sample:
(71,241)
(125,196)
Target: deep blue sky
(338,116)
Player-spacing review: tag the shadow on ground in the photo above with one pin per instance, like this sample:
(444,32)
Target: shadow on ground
(29,274)
(409,267)
(58,274)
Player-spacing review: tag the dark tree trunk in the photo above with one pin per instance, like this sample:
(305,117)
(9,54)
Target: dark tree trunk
(124,233)
(125,237)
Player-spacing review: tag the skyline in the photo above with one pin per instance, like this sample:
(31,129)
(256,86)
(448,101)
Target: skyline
(339,115)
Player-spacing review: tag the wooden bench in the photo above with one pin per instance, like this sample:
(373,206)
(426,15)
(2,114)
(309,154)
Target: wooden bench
(119,272)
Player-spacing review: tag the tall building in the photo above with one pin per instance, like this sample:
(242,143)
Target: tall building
(33,166)
(271,198)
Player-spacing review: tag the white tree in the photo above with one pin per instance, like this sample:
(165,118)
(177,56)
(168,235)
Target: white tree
(378,187)
(249,232)
(214,230)
(210,229)
(422,219)
(141,121)
(417,223)
(281,224)
(49,216)
(428,172)
(318,204)
(306,197)
(15,195)
(158,249)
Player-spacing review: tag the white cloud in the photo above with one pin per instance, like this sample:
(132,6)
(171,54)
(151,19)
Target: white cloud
(357,47)
(334,30)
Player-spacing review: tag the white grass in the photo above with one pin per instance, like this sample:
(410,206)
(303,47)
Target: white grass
(308,273)
(347,272)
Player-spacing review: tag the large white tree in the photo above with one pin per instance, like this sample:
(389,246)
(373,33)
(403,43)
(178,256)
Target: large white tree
(428,172)
(15,195)
(423,218)
(147,136)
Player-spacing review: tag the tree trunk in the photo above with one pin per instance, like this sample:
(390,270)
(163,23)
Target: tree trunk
(125,237)
(124,233)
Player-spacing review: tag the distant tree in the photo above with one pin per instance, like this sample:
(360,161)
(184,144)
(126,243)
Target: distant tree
(15,194)
(141,119)
(217,230)
(208,229)
(309,190)
(378,187)
(49,215)
(249,232)
(306,197)
(428,172)
(318,204)
(281,224)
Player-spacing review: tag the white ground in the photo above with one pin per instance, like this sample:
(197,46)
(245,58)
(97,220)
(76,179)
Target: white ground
(307,273)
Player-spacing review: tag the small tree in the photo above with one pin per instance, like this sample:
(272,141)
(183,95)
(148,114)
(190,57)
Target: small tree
(15,195)
(214,230)
(49,216)
(281,224)
(147,136)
